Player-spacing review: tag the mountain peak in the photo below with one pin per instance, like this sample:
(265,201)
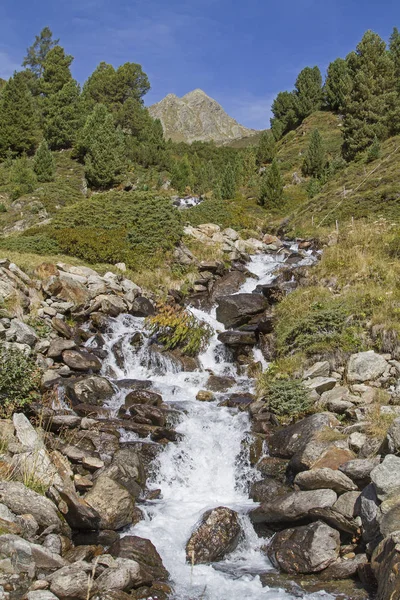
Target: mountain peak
(196,116)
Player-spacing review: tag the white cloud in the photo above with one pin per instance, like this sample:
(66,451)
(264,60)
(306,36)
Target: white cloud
(7,65)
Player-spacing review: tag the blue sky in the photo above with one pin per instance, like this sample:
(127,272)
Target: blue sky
(241,52)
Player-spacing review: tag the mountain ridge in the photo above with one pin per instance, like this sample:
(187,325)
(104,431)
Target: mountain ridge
(197,117)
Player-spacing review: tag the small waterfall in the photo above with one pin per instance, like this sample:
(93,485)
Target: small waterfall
(207,468)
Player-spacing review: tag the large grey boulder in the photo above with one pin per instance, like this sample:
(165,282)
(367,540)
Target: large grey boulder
(123,574)
(368,509)
(393,437)
(126,469)
(292,507)
(365,366)
(318,369)
(57,347)
(142,551)
(112,502)
(237,310)
(308,549)
(215,536)
(73,582)
(81,360)
(325,478)
(320,384)
(21,333)
(385,565)
(346,504)
(359,469)
(386,477)
(21,501)
(27,557)
(89,390)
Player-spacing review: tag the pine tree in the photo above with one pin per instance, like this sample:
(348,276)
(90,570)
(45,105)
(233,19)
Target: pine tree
(23,179)
(314,160)
(228,183)
(217,196)
(370,106)
(19,123)
(44,164)
(374,151)
(37,53)
(271,187)
(284,109)
(249,166)
(394,48)
(60,100)
(182,175)
(338,85)
(103,149)
(266,148)
(308,91)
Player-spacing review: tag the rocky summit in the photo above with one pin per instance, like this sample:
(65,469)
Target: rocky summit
(196,116)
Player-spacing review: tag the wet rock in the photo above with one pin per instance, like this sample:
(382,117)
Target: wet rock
(292,507)
(81,360)
(237,338)
(386,477)
(89,390)
(325,479)
(142,551)
(142,413)
(267,489)
(385,564)
(270,466)
(365,366)
(142,307)
(205,396)
(308,549)
(58,346)
(237,310)
(126,469)
(359,469)
(142,396)
(219,383)
(21,501)
(241,401)
(112,502)
(215,536)
(344,568)
(106,537)
(228,284)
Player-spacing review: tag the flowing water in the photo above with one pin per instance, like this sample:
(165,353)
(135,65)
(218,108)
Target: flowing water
(207,469)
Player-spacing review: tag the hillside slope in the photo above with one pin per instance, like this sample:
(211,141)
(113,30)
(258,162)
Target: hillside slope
(196,116)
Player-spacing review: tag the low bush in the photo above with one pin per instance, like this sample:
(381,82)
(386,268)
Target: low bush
(19,381)
(284,397)
(176,327)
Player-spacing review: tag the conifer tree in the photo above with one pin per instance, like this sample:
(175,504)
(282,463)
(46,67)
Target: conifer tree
(23,179)
(182,175)
(308,91)
(37,53)
(60,100)
(374,151)
(314,160)
(284,109)
(394,48)
(19,123)
(44,164)
(217,196)
(337,85)
(370,107)
(266,148)
(249,166)
(102,146)
(228,183)
(271,187)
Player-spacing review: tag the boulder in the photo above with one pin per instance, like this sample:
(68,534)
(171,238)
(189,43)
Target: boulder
(21,501)
(346,504)
(142,551)
(21,333)
(386,477)
(81,360)
(73,582)
(367,508)
(237,310)
(390,521)
(287,441)
(142,307)
(335,519)
(385,565)
(393,437)
(325,478)
(238,338)
(123,574)
(267,489)
(89,390)
(216,535)
(344,568)
(110,305)
(230,283)
(318,369)
(141,396)
(365,366)
(57,347)
(292,507)
(307,549)
(220,383)
(112,502)
(359,469)
(320,384)
(126,469)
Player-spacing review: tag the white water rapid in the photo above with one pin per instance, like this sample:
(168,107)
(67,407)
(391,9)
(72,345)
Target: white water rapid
(208,468)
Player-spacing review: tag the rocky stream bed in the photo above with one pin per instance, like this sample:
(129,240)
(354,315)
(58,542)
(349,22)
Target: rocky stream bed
(163,475)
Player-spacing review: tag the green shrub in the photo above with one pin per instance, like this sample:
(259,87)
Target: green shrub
(19,381)
(285,397)
(40,326)
(36,244)
(176,327)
